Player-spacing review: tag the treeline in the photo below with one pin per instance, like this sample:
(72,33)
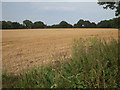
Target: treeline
(27,24)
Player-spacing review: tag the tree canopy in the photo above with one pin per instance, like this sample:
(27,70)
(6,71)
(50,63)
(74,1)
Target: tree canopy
(64,24)
(112,23)
(12,25)
(84,24)
(27,23)
(38,24)
(111,5)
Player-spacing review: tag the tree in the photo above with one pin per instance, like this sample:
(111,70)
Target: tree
(84,24)
(88,24)
(55,26)
(111,5)
(16,25)
(104,24)
(0,24)
(93,25)
(11,25)
(39,24)
(79,24)
(64,24)
(112,23)
(115,22)
(6,25)
(28,24)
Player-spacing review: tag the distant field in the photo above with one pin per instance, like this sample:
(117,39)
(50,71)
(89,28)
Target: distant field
(23,49)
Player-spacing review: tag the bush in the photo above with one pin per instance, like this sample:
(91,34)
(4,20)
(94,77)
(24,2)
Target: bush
(97,61)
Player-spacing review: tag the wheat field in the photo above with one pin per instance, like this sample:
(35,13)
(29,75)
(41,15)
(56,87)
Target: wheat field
(26,48)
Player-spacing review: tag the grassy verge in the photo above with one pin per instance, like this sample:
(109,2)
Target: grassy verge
(93,65)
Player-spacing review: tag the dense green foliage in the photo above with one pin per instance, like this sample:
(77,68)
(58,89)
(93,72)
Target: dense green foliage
(84,24)
(94,64)
(12,25)
(38,24)
(27,24)
(111,5)
(112,23)
(62,24)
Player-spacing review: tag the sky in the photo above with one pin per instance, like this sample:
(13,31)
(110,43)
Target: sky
(54,12)
(51,0)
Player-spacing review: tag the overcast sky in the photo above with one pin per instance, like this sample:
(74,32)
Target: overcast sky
(53,13)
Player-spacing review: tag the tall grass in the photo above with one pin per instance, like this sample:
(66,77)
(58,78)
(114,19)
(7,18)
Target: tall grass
(94,64)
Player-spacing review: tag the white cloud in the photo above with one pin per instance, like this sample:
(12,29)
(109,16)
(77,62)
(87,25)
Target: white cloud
(53,6)
(59,8)
(64,6)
